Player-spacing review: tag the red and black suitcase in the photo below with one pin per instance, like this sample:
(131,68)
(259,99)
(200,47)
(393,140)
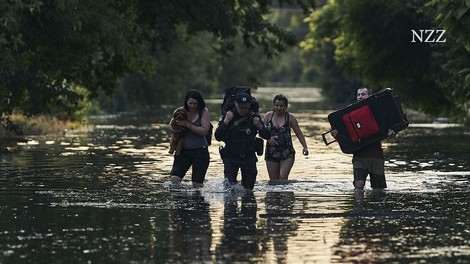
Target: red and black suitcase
(367,121)
(360,123)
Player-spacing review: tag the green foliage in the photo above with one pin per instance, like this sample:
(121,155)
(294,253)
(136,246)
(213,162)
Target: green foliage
(290,67)
(382,54)
(48,46)
(195,63)
(454,17)
(338,87)
(243,66)
(372,41)
(190,64)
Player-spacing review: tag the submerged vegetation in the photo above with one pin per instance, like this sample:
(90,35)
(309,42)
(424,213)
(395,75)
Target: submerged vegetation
(42,124)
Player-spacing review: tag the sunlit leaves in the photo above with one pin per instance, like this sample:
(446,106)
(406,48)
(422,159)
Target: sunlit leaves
(454,16)
(373,42)
(94,44)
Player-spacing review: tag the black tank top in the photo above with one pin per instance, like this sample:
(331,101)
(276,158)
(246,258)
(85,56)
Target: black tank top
(281,134)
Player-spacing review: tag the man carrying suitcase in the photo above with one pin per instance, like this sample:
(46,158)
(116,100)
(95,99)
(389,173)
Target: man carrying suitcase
(369,160)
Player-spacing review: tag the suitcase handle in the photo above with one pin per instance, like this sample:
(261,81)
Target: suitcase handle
(324,138)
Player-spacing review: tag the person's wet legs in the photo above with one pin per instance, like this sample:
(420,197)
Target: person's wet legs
(286,166)
(378,181)
(360,176)
(175,180)
(249,173)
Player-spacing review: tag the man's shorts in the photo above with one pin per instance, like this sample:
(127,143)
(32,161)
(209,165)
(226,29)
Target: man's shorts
(373,167)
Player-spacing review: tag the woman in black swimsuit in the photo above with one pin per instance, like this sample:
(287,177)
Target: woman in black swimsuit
(280,152)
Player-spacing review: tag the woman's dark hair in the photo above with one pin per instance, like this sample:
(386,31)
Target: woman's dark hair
(280,97)
(195,94)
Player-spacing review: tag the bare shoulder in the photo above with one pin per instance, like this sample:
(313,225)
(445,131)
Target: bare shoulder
(206,117)
(268,114)
(205,111)
(292,117)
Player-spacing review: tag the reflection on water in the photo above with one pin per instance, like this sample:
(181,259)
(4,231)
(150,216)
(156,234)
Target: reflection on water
(240,241)
(100,197)
(190,228)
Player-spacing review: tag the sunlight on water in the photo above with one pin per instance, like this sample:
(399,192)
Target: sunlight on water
(105,197)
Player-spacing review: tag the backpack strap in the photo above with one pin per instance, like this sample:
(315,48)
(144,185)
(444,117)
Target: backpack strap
(238,121)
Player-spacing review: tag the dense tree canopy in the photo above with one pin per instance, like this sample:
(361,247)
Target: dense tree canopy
(49,46)
(372,43)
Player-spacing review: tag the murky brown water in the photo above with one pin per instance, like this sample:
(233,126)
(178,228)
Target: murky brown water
(100,197)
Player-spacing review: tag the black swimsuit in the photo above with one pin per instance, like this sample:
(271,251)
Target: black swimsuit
(282,135)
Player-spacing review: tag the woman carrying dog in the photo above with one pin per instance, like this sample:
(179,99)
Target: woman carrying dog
(195,150)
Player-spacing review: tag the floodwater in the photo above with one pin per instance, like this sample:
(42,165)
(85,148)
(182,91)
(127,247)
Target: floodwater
(103,197)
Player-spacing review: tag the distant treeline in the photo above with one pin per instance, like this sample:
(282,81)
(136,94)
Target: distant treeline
(73,58)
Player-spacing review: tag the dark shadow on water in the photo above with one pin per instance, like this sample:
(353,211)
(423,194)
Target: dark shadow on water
(362,209)
(240,241)
(190,228)
(279,229)
(383,222)
(99,197)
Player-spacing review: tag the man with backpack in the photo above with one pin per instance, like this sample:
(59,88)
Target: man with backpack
(238,128)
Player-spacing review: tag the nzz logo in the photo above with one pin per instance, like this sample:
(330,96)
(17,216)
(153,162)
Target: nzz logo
(428,35)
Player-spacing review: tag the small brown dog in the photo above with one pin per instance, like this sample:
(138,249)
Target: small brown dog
(177,131)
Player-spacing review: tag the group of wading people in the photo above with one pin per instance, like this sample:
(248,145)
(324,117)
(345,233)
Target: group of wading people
(238,129)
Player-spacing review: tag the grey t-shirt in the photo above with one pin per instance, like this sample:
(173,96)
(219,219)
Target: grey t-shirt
(193,140)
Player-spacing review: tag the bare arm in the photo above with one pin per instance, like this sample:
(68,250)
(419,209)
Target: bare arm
(266,119)
(298,132)
(205,124)
(267,116)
